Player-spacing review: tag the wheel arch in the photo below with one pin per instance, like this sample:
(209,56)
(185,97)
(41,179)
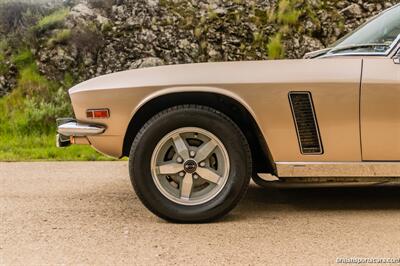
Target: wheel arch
(224,102)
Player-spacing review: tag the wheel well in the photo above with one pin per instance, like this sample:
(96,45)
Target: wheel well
(262,159)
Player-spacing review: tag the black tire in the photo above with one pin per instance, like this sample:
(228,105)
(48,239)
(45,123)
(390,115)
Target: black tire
(190,116)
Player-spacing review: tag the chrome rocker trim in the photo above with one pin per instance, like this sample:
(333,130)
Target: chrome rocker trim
(338,169)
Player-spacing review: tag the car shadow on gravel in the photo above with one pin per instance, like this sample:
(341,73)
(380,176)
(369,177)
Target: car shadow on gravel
(259,202)
(340,198)
(269,203)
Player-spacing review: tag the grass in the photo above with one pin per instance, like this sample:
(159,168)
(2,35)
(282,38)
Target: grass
(287,14)
(21,142)
(274,47)
(42,147)
(53,20)
(3,48)
(22,58)
(3,67)
(61,37)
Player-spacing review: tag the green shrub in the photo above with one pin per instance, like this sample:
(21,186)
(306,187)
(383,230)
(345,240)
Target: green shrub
(106,27)
(3,66)
(36,102)
(53,20)
(28,133)
(32,115)
(3,45)
(41,114)
(87,39)
(60,37)
(68,81)
(287,14)
(275,48)
(32,84)
(22,58)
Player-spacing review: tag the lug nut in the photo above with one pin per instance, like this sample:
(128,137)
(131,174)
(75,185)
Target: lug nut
(202,164)
(195,176)
(192,153)
(181,174)
(179,160)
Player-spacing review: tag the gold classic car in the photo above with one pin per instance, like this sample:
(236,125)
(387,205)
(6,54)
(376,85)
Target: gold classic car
(195,134)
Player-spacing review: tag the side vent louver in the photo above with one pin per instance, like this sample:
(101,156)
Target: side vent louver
(306,122)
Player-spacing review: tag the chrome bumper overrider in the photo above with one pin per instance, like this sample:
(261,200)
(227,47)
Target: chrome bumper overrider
(68,129)
(77,129)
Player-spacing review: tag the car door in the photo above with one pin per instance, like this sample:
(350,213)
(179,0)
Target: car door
(380,110)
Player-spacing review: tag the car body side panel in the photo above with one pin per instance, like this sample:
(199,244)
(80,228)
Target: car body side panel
(262,87)
(380,110)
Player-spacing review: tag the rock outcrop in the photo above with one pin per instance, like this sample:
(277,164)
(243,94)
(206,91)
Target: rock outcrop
(141,33)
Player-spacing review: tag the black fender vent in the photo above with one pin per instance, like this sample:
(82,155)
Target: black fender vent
(306,122)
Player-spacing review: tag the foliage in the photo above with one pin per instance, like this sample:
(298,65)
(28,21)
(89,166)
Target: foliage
(53,20)
(287,14)
(3,66)
(275,49)
(102,4)
(23,58)
(16,16)
(87,39)
(27,121)
(60,37)
(106,27)
(35,103)
(283,17)
(3,45)
(28,113)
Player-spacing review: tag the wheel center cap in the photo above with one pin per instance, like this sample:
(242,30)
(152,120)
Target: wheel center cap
(190,166)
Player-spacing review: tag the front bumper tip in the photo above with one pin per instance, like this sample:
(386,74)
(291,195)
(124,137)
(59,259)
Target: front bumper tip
(69,130)
(77,129)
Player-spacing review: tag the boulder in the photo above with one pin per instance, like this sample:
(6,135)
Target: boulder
(147,62)
(354,10)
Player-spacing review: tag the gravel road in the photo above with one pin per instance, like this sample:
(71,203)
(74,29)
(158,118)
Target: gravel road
(87,213)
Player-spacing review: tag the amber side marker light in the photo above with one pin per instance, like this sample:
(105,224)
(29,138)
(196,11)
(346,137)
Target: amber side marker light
(98,113)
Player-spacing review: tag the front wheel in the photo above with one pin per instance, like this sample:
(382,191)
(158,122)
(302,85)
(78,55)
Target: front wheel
(190,164)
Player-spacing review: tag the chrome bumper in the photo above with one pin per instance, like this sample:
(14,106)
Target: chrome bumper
(68,129)
(76,129)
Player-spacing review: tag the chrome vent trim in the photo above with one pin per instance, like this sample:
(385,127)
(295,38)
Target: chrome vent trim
(306,123)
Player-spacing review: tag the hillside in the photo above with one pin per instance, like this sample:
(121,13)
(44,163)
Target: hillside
(46,48)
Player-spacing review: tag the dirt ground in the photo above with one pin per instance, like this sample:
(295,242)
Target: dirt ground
(87,213)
